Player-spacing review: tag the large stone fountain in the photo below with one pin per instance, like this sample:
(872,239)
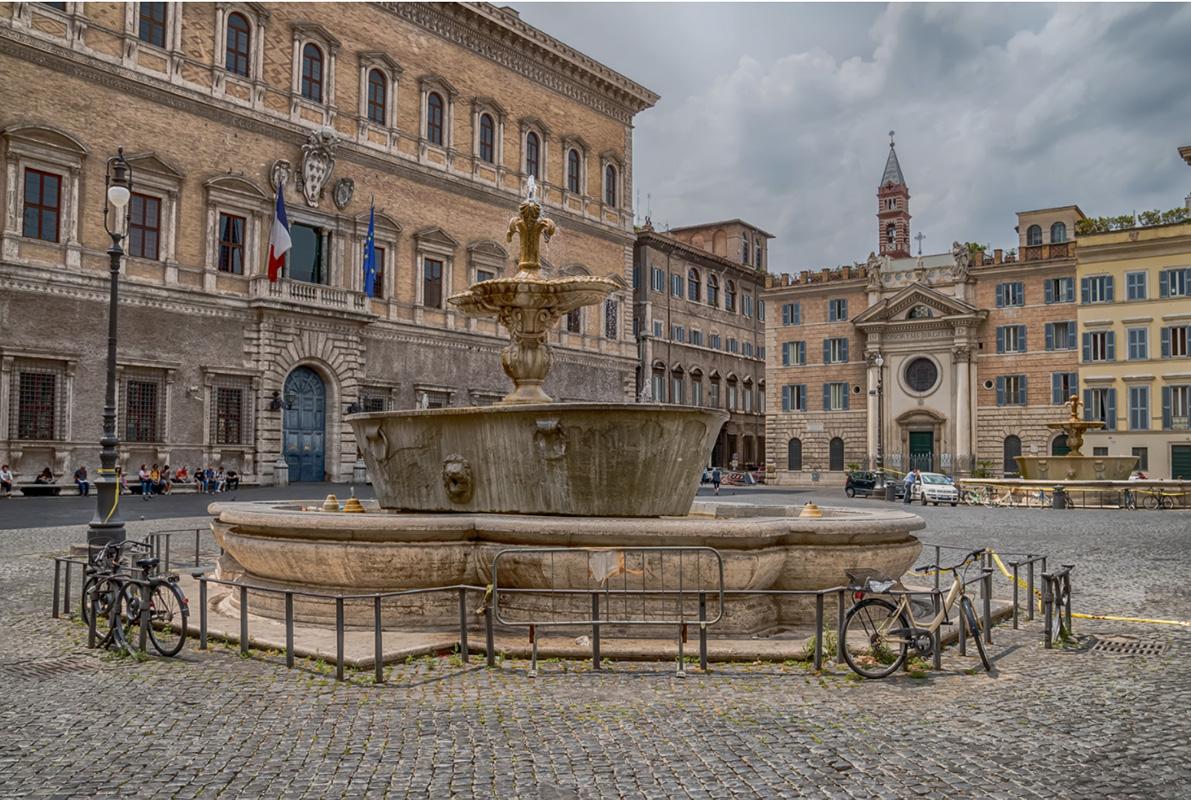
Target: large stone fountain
(457,485)
(1075,466)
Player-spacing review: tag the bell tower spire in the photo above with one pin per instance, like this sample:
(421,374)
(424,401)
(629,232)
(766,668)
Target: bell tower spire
(893,209)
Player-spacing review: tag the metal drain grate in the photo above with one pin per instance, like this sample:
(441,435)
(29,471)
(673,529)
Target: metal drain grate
(48,667)
(1128,646)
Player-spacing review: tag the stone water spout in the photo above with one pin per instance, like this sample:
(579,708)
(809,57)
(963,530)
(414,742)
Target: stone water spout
(1075,465)
(528,305)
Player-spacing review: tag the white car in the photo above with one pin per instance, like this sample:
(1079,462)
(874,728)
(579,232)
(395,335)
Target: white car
(936,488)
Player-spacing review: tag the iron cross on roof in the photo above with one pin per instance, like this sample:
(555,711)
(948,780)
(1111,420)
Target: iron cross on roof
(919,239)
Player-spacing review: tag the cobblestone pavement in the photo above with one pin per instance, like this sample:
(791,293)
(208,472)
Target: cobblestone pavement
(1070,724)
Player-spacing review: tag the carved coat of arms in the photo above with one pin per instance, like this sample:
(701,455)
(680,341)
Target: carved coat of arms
(318,159)
(342,193)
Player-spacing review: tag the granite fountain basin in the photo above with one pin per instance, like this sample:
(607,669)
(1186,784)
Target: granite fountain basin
(574,459)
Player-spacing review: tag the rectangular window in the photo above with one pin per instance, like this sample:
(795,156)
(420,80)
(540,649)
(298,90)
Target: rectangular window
(1101,404)
(1174,282)
(1176,408)
(761,310)
(793,354)
(378,283)
(1139,408)
(697,338)
(835,397)
(231,243)
(144,226)
(304,261)
(761,353)
(1143,458)
(1099,451)
(140,410)
(714,341)
(1011,339)
(794,397)
(1139,343)
(657,329)
(1099,346)
(657,279)
(748,349)
(677,333)
(713,395)
(733,345)
(731,397)
(676,285)
(676,389)
(1010,294)
(1011,390)
(1059,290)
(36,405)
(1095,289)
(229,415)
(376,401)
(658,387)
(792,313)
(746,305)
(432,282)
(837,310)
(696,391)
(152,27)
(1060,335)
(1062,386)
(43,198)
(1135,285)
(1175,341)
(835,351)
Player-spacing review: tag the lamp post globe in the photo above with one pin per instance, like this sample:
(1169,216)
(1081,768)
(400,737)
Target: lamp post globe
(108,525)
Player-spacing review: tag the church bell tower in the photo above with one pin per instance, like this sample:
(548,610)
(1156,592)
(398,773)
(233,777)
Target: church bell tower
(893,209)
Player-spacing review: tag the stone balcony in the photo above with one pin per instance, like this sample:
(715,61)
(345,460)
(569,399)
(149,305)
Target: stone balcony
(286,292)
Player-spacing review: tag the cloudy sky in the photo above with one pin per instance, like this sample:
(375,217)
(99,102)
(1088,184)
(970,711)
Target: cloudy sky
(779,113)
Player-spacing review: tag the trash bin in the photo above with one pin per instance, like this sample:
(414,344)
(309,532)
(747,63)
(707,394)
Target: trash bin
(1058,498)
(280,472)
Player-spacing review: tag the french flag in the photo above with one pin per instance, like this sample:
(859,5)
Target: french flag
(279,239)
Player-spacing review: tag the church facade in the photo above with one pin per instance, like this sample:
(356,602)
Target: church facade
(433,114)
(949,361)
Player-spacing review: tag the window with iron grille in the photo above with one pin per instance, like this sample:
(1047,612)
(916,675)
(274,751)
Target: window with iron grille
(574,321)
(231,411)
(142,409)
(374,399)
(144,226)
(37,407)
(611,319)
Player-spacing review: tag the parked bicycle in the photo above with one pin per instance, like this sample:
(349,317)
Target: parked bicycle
(878,634)
(116,599)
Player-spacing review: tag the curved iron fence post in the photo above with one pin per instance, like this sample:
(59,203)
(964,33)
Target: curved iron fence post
(289,630)
(378,648)
(202,612)
(595,631)
(818,630)
(243,620)
(57,584)
(339,638)
(489,633)
(463,647)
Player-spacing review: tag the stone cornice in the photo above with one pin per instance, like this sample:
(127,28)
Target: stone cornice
(668,244)
(48,55)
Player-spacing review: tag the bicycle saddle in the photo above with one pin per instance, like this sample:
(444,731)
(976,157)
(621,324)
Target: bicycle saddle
(869,580)
(148,563)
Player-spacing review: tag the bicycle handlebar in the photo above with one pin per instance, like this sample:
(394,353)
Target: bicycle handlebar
(970,556)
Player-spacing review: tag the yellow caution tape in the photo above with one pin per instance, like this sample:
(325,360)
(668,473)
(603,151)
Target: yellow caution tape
(1179,622)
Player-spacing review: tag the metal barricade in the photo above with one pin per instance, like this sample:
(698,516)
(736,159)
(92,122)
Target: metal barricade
(604,588)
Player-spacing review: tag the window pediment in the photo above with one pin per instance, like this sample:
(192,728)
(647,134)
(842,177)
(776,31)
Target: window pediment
(44,136)
(312,30)
(236,185)
(575,269)
(153,163)
(482,104)
(533,123)
(432,81)
(377,59)
(384,223)
(436,239)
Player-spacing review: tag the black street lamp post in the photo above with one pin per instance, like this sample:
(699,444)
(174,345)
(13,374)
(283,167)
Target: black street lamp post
(108,525)
(881,486)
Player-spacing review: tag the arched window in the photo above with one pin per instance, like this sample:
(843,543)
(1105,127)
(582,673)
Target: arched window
(610,186)
(1012,449)
(890,233)
(237,51)
(1058,233)
(1033,235)
(376,96)
(312,73)
(533,154)
(730,296)
(835,455)
(713,291)
(693,285)
(744,249)
(487,139)
(1059,446)
(794,454)
(573,170)
(434,120)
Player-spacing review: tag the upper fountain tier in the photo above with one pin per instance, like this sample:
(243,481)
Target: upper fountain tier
(1075,465)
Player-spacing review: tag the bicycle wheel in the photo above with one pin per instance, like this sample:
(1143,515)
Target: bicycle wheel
(128,615)
(168,615)
(1167,502)
(974,628)
(85,605)
(868,647)
(102,600)
(1151,502)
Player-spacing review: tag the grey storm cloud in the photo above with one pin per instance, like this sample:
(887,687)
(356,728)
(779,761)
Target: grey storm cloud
(779,113)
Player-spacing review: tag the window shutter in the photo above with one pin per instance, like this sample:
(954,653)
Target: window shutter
(1087,347)
(1050,293)
(826,351)
(1166,342)
(1022,391)
(1020,293)
(845,396)
(802,352)
(1110,409)
(1021,339)
(827,397)
(785,354)
(1085,290)
(1087,404)
(1187,281)
(798,313)
(1167,421)
(1069,290)
(1050,335)
(1056,388)
(1110,345)
(844,308)
(786,398)
(1000,390)
(802,396)
(1164,283)
(1000,295)
(844,351)
(1108,288)
(1000,339)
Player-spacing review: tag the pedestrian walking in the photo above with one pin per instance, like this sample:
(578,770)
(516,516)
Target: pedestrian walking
(908,483)
(716,477)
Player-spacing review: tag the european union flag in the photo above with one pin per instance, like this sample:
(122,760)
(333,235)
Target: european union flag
(370,255)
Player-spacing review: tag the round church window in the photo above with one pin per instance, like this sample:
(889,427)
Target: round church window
(922,374)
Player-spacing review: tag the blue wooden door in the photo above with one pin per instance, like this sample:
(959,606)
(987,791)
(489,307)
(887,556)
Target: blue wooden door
(304,432)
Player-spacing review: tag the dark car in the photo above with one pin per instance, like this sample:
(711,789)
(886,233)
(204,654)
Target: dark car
(864,484)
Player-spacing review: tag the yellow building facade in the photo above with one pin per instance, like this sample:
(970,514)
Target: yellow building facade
(1134,319)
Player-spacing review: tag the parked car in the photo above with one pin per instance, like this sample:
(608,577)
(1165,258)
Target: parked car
(935,488)
(864,484)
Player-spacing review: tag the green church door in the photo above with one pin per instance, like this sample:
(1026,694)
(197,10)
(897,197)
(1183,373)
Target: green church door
(922,450)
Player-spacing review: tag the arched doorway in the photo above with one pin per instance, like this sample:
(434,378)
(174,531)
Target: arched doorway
(1059,446)
(1012,449)
(794,455)
(304,430)
(835,455)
